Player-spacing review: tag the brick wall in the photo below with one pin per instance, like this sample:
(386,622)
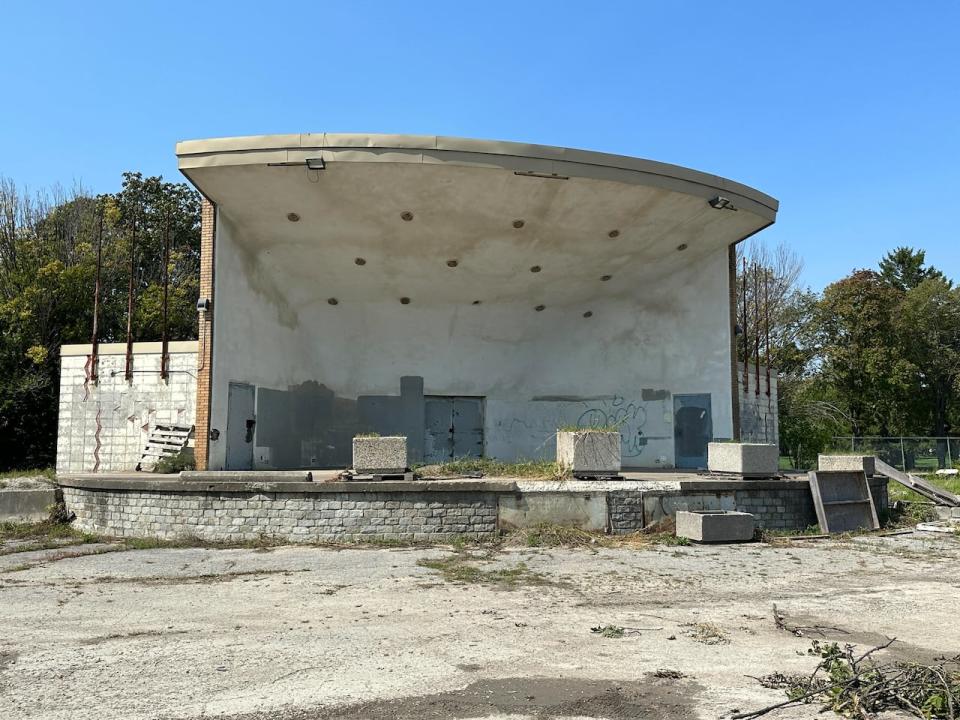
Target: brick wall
(205,334)
(103,426)
(294,516)
(787,508)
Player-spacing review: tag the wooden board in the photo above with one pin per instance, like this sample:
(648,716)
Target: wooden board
(918,485)
(843,501)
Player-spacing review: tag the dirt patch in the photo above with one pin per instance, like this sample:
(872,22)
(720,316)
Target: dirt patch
(7,658)
(822,629)
(650,699)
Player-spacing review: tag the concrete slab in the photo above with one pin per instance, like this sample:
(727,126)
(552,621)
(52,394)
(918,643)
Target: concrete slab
(25,505)
(587,511)
(851,463)
(589,452)
(661,506)
(743,458)
(380,455)
(715,526)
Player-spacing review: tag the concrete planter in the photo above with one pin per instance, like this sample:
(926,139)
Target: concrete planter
(379,455)
(744,459)
(715,526)
(589,453)
(850,463)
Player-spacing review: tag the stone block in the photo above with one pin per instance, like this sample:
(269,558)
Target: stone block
(719,526)
(589,452)
(379,455)
(850,463)
(756,459)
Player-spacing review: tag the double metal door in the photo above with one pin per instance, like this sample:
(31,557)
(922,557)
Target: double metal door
(454,428)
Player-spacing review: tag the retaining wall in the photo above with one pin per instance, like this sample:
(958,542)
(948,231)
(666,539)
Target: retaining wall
(297,512)
(423,510)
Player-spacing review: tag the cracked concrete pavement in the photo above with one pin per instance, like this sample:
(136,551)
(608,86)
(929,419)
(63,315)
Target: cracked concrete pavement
(303,632)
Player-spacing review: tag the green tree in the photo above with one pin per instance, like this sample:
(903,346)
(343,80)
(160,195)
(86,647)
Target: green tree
(903,268)
(860,354)
(928,321)
(48,260)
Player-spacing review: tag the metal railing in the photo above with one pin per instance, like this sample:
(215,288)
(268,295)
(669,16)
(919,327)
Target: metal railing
(919,454)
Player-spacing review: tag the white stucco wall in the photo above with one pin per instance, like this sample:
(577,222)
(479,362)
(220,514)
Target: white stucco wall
(537,370)
(103,426)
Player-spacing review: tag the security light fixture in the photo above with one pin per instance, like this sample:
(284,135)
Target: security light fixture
(293,217)
(540,308)
(613,234)
(406,216)
(681,247)
(605,277)
(452,263)
(404,301)
(316,164)
(535,269)
(588,314)
(203,305)
(360,261)
(333,301)
(722,203)
(518,224)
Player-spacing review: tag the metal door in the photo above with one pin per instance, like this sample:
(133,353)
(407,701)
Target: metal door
(241,422)
(467,427)
(692,430)
(453,428)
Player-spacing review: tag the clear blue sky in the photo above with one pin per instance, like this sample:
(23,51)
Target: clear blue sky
(847,112)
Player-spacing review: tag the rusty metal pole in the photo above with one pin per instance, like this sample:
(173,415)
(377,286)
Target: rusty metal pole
(766,322)
(746,336)
(94,342)
(756,313)
(128,371)
(164,354)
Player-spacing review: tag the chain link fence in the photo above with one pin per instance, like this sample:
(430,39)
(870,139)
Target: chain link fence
(919,454)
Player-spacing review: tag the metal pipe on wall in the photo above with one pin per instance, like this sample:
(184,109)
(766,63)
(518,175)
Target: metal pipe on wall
(164,351)
(94,342)
(128,367)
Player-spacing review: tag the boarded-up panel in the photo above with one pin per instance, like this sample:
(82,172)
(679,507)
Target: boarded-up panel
(843,501)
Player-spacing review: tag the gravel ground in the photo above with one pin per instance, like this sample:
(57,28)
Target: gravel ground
(301,632)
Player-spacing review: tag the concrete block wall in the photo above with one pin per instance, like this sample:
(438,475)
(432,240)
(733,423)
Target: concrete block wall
(759,420)
(294,516)
(104,425)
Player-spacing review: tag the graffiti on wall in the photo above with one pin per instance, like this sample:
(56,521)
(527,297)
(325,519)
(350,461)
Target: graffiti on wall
(528,429)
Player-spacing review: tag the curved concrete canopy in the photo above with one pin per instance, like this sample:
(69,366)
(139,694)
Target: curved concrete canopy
(447,219)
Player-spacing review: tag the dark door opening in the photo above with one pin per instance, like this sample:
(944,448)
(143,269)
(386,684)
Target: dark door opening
(692,430)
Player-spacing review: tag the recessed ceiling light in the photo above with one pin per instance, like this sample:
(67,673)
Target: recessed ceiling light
(406,216)
(606,277)
(404,301)
(360,261)
(332,301)
(518,224)
(535,268)
(681,247)
(452,263)
(293,217)
(613,234)
(540,308)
